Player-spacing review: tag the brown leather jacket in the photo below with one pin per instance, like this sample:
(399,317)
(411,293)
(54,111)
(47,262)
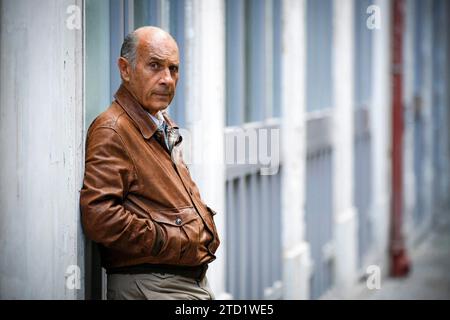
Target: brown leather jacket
(138,204)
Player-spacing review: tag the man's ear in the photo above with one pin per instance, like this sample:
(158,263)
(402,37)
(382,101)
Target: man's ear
(124,68)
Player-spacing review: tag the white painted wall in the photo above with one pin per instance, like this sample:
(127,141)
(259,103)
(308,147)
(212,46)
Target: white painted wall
(381,133)
(205,115)
(41,123)
(345,219)
(296,256)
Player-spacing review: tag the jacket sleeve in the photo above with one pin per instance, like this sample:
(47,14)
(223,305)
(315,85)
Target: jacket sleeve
(109,172)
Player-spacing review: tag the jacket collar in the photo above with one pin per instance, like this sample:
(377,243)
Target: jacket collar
(138,114)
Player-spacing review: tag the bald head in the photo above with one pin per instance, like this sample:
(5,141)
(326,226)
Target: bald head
(145,37)
(148,66)
(151,33)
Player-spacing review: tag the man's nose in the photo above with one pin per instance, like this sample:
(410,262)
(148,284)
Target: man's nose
(166,77)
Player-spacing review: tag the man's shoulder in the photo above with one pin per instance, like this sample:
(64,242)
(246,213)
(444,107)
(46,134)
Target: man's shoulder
(113,117)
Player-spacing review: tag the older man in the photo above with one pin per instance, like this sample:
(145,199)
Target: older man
(156,235)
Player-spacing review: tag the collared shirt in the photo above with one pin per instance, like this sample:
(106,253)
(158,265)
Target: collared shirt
(162,126)
(158,120)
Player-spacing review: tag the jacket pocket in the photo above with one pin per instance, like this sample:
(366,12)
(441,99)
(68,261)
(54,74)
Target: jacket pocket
(213,224)
(181,235)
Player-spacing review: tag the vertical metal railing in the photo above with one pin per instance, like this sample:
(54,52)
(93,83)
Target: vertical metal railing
(253,227)
(319,202)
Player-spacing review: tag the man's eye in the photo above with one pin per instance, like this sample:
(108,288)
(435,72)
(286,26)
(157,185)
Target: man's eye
(154,65)
(173,69)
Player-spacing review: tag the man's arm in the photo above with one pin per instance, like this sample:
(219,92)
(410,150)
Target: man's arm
(109,172)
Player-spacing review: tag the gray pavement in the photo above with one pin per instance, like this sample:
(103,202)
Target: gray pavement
(429,278)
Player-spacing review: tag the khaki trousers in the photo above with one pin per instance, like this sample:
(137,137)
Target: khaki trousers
(157,286)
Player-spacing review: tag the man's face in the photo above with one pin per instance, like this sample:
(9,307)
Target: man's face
(154,78)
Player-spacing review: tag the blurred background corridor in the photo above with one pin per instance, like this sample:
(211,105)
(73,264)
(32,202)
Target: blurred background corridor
(353,200)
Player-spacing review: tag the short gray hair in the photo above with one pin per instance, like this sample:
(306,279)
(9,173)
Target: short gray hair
(128,49)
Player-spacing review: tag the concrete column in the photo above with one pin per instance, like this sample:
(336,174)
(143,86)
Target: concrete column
(41,149)
(381,126)
(296,256)
(345,220)
(205,115)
